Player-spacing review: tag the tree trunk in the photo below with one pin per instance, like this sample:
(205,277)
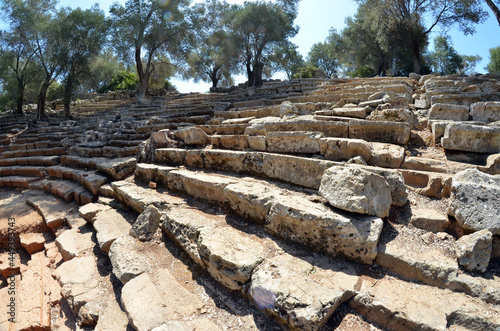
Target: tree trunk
(250,74)
(67,96)
(20,96)
(143,87)
(40,109)
(143,76)
(495,9)
(417,61)
(258,69)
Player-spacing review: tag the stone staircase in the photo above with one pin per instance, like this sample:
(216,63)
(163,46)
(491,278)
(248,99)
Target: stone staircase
(303,205)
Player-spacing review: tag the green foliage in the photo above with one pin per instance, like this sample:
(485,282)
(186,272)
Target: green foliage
(326,56)
(102,69)
(169,87)
(306,72)
(213,57)
(406,20)
(286,58)
(362,72)
(445,59)
(494,65)
(256,27)
(469,62)
(142,30)
(55,91)
(123,80)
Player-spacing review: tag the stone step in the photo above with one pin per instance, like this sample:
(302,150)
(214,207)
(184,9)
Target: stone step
(421,307)
(471,138)
(34,145)
(85,290)
(305,172)
(427,183)
(25,171)
(431,259)
(118,168)
(32,160)
(55,212)
(17,181)
(272,277)
(286,214)
(106,151)
(65,189)
(89,179)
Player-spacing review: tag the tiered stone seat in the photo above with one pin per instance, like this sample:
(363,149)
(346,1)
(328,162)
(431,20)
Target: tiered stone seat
(287,204)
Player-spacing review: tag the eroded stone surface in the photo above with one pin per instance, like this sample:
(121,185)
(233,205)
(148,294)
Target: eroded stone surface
(356,190)
(474,201)
(126,261)
(474,250)
(300,220)
(302,293)
(146,224)
(110,225)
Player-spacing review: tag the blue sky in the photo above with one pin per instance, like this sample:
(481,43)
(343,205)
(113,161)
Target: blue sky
(316,17)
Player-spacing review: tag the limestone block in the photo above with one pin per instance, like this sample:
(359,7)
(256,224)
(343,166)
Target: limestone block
(485,111)
(429,220)
(355,112)
(72,243)
(238,142)
(32,242)
(472,138)
(450,112)
(356,190)
(303,294)
(386,155)
(325,230)
(338,149)
(192,136)
(293,142)
(306,172)
(146,224)
(474,250)
(386,132)
(474,200)
(126,261)
(257,143)
(109,226)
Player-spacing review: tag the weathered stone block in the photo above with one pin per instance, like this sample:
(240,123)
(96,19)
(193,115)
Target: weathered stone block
(472,138)
(450,112)
(293,142)
(356,190)
(474,201)
(485,111)
(387,132)
(300,220)
(474,250)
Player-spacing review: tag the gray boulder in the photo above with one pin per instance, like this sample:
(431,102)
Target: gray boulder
(474,200)
(146,224)
(192,136)
(288,109)
(356,190)
(474,251)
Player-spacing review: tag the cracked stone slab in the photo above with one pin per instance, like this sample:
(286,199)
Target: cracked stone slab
(228,254)
(421,307)
(127,262)
(72,243)
(109,226)
(315,225)
(302,292)
(79,279)
(52,209)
